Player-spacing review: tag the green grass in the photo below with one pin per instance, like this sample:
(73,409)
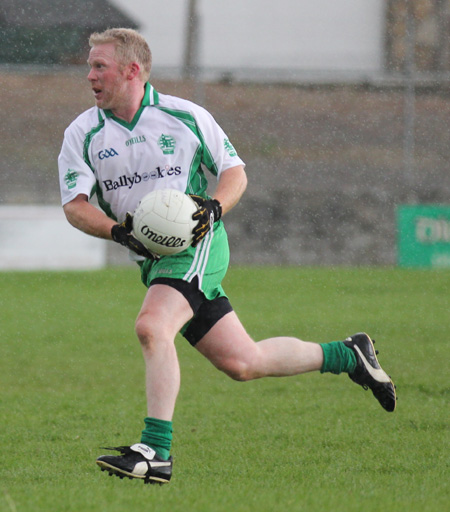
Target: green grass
(71,380)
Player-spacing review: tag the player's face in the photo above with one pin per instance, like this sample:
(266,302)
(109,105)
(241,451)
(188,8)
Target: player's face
(107,77)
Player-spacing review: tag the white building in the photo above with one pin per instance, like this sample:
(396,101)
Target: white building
(278,40)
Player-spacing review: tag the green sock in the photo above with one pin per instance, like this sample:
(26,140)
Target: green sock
(337,358)
(158,435)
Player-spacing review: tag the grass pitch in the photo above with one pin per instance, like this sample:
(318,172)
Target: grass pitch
(71,380)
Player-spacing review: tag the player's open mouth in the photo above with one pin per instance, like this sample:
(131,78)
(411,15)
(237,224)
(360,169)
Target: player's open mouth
(97,92)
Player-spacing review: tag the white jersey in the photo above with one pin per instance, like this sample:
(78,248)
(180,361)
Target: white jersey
(164,146)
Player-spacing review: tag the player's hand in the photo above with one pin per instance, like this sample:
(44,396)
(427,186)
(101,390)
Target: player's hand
(121,233)
(209,211)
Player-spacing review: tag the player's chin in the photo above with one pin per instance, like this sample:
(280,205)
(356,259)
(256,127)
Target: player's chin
(101,101)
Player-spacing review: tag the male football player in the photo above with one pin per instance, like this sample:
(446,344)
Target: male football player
(135,140)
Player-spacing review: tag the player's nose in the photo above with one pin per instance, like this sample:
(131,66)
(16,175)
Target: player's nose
(91,75)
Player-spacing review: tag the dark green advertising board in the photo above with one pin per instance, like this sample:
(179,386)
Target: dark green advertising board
(423,235)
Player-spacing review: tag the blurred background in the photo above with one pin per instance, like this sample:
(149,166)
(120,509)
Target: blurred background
(340,109)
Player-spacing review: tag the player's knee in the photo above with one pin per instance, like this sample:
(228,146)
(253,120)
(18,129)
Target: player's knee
(243,365)
(149,332)
(239,370)
(144,332)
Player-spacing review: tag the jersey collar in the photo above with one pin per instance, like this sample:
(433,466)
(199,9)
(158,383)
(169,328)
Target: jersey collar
(151,96)
(150,99)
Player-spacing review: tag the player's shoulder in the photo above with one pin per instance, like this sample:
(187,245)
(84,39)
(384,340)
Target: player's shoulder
(181,104)
(85,122)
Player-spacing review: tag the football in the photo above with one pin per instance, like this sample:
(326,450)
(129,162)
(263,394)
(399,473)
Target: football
(163,221)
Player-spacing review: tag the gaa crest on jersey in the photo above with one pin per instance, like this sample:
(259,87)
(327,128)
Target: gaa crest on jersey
(229,148)
(167,144)
(70,178)
(107,153)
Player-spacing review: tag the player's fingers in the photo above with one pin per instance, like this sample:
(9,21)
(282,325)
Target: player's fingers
(199,214)
(202,227)
(198,199)
(128,223)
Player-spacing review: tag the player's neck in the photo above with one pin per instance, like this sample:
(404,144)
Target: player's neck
(127,110)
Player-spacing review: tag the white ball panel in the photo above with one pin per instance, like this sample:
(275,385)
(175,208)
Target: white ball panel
(163,221)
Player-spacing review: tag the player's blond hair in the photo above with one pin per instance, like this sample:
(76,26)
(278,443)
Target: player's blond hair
(130,47)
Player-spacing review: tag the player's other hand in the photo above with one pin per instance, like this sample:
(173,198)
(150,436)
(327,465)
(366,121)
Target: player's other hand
(209,211)
(121,233)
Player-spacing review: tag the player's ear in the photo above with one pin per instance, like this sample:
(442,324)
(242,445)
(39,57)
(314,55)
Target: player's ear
(133,70)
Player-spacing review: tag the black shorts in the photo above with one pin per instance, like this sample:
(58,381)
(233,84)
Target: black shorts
(206,312)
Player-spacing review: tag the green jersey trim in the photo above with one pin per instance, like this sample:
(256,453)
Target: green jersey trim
(87,142)
(129,126)
(104,205)
(197,182)
(189,121)
(151,98)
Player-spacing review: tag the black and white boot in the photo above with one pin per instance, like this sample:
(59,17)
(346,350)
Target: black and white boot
(137,461)
(368,372)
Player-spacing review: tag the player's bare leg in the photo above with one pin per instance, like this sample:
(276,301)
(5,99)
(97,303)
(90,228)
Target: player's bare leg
(229,347)
(156,329)
(163,313)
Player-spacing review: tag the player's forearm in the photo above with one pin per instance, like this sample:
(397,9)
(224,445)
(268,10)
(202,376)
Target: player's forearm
(231,186)
(85,217)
